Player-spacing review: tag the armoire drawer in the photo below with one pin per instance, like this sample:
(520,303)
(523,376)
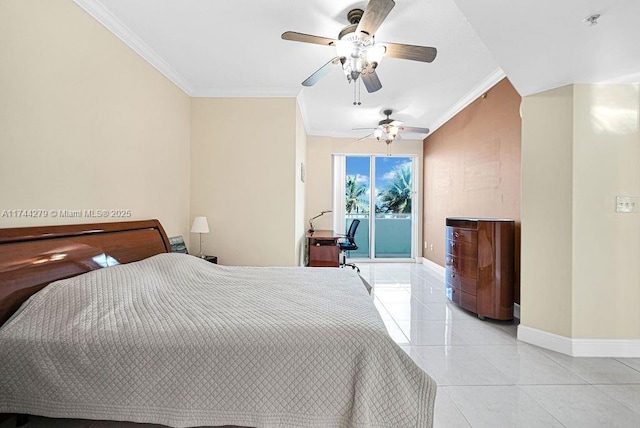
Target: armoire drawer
(463,235)
(464,283)
(462,249)
(468,301)
(462,266)
(464,300)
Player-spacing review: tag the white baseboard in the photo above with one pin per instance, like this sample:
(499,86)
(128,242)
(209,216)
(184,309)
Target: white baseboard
(433,265)
(614,348)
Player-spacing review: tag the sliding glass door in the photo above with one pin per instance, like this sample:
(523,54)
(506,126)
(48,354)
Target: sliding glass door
(358,201)
(379,191)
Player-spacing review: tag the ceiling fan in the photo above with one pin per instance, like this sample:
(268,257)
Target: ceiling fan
(389,129)
(357,50)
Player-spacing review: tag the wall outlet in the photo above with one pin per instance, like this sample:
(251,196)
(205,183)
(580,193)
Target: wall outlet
(627,204)
(431,247)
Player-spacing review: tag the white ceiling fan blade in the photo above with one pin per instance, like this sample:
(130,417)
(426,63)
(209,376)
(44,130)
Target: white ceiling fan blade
(320,73)
(414,129)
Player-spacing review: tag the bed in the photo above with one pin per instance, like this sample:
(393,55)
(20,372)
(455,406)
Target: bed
(102,321)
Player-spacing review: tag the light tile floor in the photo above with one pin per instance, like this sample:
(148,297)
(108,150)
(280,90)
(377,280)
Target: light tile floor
(486,378)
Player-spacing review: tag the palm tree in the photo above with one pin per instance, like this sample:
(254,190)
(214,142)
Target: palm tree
(396,197)
(354,191)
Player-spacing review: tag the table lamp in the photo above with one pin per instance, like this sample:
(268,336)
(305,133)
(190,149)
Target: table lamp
(200,226)
(311,228)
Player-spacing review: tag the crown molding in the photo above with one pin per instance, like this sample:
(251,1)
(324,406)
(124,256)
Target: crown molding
(245,92)
(101,14)
(488,83)
(359,134)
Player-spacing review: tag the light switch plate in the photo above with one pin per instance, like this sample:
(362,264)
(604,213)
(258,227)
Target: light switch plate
(627,204)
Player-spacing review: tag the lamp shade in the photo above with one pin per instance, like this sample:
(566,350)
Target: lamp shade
(200,225)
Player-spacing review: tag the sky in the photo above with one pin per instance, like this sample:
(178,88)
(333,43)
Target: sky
(359,165)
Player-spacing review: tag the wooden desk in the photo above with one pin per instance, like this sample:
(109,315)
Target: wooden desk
(322,249)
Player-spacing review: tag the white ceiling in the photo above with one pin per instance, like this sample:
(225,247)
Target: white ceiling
(233,48)
(544,44)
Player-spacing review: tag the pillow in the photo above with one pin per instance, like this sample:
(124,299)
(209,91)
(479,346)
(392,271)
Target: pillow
(177,245)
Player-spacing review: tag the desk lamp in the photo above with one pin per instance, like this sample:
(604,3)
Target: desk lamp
(311,228)
(200,226)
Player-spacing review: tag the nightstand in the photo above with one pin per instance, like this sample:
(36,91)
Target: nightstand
(211,259)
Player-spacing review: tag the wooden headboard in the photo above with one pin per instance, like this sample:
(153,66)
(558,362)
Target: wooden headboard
(33,257)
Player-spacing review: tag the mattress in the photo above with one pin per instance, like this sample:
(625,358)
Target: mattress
(178,341)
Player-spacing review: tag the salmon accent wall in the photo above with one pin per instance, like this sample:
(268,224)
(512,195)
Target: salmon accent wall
(472,169)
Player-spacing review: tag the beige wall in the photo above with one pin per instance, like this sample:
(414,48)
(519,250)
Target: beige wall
(581,149)
(320,170)
(547,169)
(243,178)
(85,123)
(472,168)
(606,269)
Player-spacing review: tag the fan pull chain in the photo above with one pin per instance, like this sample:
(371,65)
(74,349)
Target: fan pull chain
(356,92)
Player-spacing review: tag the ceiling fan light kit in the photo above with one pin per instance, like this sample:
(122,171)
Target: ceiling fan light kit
(358,56)
(389,129)
(386,133)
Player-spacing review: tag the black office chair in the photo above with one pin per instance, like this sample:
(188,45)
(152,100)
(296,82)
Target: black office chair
(349,245)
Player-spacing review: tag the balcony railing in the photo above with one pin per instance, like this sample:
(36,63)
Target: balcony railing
(393,235)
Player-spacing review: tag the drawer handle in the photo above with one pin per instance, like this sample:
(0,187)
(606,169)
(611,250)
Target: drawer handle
(456,234)
(453,275)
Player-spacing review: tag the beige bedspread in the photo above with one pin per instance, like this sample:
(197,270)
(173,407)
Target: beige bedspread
(179,341)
